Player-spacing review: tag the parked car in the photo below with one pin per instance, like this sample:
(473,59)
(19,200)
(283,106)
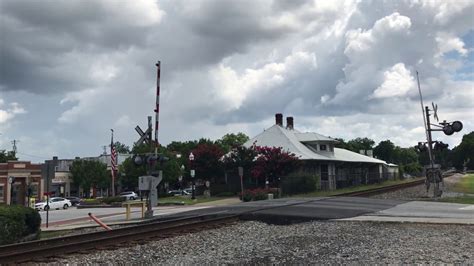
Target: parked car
(178,193)
(74,200)
(53,203)
(129,195)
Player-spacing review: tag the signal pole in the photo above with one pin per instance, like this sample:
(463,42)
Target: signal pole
(433,171)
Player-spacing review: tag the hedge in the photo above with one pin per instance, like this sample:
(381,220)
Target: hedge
(17,222)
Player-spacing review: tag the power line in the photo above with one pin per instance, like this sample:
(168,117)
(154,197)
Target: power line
(36,156)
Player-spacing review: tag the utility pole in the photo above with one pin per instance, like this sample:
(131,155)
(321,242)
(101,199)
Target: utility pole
(14,142)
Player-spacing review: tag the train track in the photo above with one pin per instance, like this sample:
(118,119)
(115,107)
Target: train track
(39,250)
(381,190)
(35,251)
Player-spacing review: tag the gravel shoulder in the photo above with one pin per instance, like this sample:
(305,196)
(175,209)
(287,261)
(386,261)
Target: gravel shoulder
(306,243)
(317,242)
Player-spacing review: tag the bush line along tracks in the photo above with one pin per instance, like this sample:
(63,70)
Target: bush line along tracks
(29,251)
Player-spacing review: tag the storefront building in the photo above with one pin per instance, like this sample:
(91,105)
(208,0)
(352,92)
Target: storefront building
(20,181)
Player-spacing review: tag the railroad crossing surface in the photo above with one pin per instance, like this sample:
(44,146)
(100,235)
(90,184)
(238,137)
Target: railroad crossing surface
(282,211)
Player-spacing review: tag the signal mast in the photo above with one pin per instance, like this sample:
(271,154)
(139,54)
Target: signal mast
(433,171)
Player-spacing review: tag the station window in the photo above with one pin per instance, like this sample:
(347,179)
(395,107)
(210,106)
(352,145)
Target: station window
(1,193)
(322,147)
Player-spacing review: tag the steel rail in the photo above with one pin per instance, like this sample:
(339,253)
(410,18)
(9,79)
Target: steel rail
(381,190)
(58,246)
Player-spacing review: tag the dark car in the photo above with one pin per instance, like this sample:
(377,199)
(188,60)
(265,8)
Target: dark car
(74,200)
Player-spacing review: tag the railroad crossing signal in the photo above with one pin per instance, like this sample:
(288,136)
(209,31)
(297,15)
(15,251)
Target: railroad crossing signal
(144,136)
(433,172)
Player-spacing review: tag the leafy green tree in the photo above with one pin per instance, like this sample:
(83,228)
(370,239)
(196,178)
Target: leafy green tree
(89,173)
(7,156)
(121,148)
(463,154)
(385,150)
(342,144)
(241,156)
(358,144)
(229,141)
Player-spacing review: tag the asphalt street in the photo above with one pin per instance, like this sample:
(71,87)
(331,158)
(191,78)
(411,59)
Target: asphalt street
(284,211)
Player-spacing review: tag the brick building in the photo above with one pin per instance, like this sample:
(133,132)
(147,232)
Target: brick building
(26,175)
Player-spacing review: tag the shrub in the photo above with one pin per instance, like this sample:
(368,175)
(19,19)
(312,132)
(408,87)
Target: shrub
(299,183)
(259,194)
(110,200)
(17,222)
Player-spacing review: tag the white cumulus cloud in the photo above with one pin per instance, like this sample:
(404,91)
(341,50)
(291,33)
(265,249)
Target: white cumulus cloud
(398,81)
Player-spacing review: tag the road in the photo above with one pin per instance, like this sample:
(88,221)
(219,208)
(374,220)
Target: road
(285,211)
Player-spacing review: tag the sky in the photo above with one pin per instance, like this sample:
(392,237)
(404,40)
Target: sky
(72,70)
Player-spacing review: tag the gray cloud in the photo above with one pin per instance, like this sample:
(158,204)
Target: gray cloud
(80,68)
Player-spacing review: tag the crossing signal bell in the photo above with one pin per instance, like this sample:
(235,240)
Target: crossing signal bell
(139,160)
(450,128)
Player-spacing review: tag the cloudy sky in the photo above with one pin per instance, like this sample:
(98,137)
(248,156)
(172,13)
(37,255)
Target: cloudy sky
(72,70)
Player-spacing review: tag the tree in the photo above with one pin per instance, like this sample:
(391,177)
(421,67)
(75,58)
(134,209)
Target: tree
(229,141)
(463,154)
(342,144)
(241,156)
(207,161)
(273,163)
(7,156)
(89,173)
(121,148)
(358,144)
(385,150)
(130,172)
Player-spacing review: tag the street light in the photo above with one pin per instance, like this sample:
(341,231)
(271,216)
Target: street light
(191,159)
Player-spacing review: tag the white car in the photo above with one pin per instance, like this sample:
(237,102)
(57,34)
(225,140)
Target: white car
(178,193)
(129,195)
(54,203)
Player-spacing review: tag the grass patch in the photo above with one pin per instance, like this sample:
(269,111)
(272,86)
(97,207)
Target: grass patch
(356,188)
(51,234)
(466,185)
(462,200)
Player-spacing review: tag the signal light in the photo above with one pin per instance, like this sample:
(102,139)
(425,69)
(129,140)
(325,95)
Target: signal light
(457,126)
(448,130)
(439,146)
(421,146)
(137,160)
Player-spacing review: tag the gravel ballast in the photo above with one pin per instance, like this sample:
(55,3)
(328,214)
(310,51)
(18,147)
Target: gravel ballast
(317,242)
(327,242)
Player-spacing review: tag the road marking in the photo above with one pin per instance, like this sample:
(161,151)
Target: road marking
(470,207)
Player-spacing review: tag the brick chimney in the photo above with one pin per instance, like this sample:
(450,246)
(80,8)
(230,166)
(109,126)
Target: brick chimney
(289,123)
(279,119)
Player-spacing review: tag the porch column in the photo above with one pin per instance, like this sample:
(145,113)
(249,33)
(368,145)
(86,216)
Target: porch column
(9,189)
